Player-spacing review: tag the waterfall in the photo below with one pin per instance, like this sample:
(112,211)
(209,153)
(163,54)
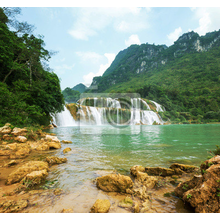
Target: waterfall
(109,111)
(158,107)
(64,119)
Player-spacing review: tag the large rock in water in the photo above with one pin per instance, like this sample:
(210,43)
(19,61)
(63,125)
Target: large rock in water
(114,183)
(203,191)
(55,160)
(27,168)
(144,178)
(101,206)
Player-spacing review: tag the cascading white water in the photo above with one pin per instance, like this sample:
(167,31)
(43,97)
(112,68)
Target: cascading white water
(112,109)
(64,119)
(158,107)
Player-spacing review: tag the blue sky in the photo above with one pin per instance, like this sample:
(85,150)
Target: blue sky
(88,38)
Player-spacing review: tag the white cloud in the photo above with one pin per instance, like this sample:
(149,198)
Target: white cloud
(174,35)
(208,19)
(88,78)
(133,39)
(89,56)
(61,69)
(89,21)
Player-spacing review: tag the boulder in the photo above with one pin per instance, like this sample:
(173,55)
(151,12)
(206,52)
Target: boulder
(6,129)
(66,150)
(114,183)
(161,171)
(205,165)
(7,137)
(126,203)
(101,206)
(19,131)
(5,152)
(203,192)
(52,138)
(34,177)
(55,160)
(13,206)
(21,172)
(183,167)
(21,139)
(144,178)
(22,152)
(66,142)
(48,146)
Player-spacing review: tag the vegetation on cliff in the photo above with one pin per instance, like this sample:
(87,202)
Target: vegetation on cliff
(29,90)
(184,77)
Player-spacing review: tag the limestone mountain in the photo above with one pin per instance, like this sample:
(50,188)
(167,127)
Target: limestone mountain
(141,59)
(183,77)
(80,88)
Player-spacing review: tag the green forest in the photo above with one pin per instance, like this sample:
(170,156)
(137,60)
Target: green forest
(29,90)
(188,84)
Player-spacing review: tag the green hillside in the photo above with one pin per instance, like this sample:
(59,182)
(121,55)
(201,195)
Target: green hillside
(184,78)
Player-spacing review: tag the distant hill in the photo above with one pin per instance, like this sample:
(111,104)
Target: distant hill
(80,88)
(184,77)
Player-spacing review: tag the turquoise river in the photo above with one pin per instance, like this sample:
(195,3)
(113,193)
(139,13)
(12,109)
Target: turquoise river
(95,148)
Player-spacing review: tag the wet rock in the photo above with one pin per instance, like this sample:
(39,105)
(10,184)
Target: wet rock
(205,165)
(160,171)
(146,205)
(58,192)
(66,150)
(55,160)
(21,172)
(183,167)
(22,152)
(48,145)
(114,183)
(34,178)
(141,192)
(126,203)
(67,211)
(52,138)
(11,163)
(144,178)
(66,142)
(49,127)
(13,206)
(136,207)
(101,206)
(203,191)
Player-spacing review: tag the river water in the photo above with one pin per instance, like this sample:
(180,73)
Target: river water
(105,148)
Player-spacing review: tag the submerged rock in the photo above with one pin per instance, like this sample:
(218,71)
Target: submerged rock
(114,183)
(66,150)
(21,172)
(66,142)
(13,206)
(101,206)
(126,203)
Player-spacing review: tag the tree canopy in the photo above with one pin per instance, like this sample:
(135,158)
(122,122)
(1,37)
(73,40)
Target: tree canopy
(29,93)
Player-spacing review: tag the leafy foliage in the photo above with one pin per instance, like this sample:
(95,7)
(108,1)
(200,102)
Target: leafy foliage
(71,96)
(28,92)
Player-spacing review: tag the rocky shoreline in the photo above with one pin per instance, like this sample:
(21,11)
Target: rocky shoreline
(23,180)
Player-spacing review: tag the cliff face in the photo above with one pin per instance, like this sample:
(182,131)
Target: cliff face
(141,59)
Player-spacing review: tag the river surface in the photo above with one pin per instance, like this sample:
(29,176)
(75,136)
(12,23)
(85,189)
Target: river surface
(101,148)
